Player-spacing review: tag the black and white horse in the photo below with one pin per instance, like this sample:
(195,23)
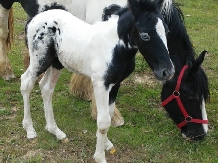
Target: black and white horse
(184,96)
(63,40)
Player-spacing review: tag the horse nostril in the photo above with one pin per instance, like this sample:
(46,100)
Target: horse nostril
(165,73)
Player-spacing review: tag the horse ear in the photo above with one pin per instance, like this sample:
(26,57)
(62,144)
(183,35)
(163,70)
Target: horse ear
(197,63)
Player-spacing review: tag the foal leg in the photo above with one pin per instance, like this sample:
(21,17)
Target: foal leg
(5,66)
(117,120)
(112,98)
(27,83)
(103,120)
(47,85)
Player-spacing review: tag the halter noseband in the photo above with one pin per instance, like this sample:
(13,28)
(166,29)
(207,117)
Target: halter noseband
(176,95)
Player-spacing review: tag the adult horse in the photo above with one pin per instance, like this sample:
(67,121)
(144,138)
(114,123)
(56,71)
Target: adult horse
(6,37)
(55,43)
(184,95)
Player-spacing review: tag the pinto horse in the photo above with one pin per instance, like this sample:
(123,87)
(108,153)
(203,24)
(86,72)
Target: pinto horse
(185,94)
(56,42)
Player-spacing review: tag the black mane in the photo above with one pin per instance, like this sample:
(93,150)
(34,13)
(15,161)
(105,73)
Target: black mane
(179,44)
(178,32)
(200,84)
(126,26)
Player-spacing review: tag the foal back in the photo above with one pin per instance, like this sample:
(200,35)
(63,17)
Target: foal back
(63,39)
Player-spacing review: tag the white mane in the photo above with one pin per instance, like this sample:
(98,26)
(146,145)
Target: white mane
(166,8)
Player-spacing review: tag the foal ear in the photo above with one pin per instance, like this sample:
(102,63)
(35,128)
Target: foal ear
(197,63)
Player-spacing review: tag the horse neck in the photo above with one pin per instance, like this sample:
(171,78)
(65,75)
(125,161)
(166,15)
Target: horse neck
(179,43)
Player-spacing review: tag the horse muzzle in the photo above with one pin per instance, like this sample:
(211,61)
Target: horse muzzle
(164,74)
(189,136)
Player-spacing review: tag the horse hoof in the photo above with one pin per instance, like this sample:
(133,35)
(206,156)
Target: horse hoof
(31,134)
(65,140)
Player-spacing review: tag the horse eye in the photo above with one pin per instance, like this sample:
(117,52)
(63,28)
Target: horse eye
(145,36)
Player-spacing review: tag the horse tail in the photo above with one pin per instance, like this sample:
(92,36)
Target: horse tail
(10,38)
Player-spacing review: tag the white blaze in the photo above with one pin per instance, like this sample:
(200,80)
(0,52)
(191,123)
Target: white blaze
(204,116)
(161,31)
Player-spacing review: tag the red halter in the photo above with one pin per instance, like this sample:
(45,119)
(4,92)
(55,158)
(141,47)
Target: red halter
(176,95)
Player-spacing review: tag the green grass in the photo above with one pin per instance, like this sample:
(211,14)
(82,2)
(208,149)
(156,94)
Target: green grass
(148,135)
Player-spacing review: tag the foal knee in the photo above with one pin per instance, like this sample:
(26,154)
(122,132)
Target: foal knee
(103,123)
(45,89)
(26,84)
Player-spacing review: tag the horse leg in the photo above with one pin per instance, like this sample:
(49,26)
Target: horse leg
(103,120)
(81,86)
(47,84)
(5,66)
(117,120)
(27,83)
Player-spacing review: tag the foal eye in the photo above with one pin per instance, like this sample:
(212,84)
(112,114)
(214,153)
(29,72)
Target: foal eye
(145,36)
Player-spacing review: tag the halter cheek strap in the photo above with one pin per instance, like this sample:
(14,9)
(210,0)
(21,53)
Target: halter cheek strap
(176,95)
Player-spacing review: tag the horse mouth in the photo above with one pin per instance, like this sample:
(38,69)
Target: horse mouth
(193,137)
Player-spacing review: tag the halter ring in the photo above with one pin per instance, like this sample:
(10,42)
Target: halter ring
(188,119)
(176,94)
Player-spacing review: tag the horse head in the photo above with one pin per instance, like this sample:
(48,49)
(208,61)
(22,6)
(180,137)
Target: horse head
(149,35)
(184,99)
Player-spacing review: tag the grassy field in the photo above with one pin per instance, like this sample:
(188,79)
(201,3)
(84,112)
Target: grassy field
(148,135)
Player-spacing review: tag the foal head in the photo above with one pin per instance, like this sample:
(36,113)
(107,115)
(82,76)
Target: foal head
(149,35)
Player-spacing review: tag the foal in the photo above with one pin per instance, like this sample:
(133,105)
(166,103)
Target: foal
(63,41)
